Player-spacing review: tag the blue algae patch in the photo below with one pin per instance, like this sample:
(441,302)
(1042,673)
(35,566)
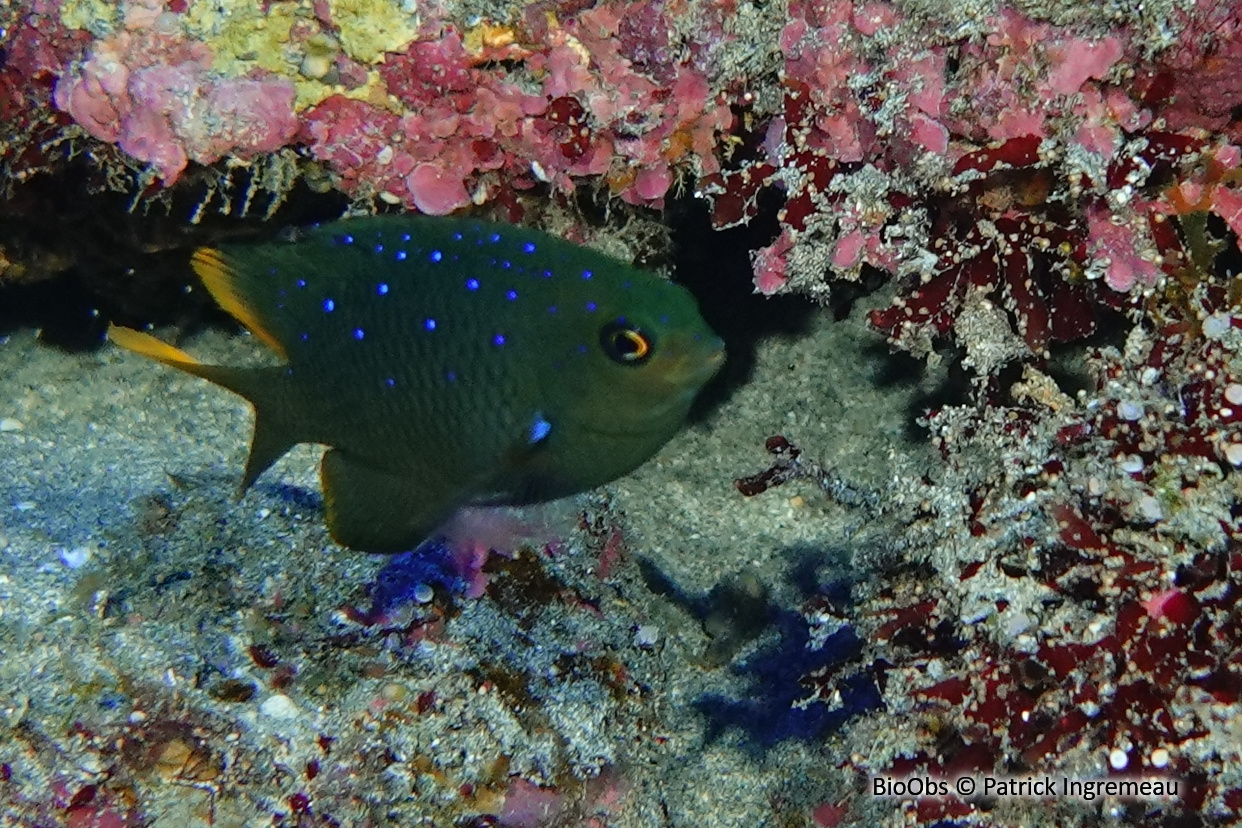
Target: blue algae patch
(766,714)
(767,711)
(407,575)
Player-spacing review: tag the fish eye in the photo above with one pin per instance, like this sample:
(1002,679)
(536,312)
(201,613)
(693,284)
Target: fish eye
(625,343)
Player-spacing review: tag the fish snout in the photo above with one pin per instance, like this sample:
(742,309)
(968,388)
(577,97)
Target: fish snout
(697,365)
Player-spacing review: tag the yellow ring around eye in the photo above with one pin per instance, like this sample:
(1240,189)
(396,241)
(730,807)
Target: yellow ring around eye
(640,344)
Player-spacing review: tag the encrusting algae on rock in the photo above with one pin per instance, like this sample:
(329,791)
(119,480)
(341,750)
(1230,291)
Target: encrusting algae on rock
(447,362)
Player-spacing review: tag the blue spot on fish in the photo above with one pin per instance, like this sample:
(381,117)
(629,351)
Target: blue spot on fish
(539,430)
(462,404)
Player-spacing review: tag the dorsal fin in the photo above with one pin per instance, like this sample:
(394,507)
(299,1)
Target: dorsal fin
(222,282)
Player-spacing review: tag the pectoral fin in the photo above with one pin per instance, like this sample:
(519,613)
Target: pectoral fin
(374,511)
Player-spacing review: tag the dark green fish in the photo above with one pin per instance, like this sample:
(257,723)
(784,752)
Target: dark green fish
(447,362)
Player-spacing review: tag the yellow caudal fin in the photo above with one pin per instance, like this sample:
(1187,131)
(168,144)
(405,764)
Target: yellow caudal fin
(149,346)
(263,387)
(222,283)
(248,382)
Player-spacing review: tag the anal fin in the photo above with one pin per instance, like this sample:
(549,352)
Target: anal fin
(269,444)
(375,511)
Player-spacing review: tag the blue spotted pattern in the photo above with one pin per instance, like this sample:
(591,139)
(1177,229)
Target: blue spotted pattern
(539,430)
(437,353)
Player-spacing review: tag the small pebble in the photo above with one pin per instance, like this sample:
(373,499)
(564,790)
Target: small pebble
(646,635)
(10,424)
(1217,325)
(76,557)
(1128,410)
(279,706)
(393,692)
(1150,508)
(1159,758)
(1118,759)
(423,593)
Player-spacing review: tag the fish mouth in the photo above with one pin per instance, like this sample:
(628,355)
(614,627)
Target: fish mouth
(695,369)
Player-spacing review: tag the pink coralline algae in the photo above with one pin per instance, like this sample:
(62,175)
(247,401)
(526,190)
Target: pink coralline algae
(575,106)
(35,49)
(154,95)
(1027,165)
(459,115)
(1090,623)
